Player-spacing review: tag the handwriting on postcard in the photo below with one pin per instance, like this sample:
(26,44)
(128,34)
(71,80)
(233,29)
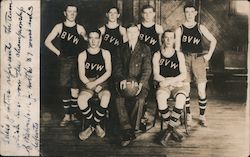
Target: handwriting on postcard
(19,118)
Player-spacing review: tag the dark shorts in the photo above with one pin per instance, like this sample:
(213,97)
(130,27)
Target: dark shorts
(69,72)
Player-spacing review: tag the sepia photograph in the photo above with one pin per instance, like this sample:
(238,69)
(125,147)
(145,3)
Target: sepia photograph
(125,78)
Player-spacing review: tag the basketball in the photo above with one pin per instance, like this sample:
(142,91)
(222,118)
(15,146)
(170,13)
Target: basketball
(130,91)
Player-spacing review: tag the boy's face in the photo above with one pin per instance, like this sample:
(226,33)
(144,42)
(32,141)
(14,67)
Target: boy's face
(94,40)
(113,15)
(169,39)
(190,13)
(148,15)
(133,33)
(71,13)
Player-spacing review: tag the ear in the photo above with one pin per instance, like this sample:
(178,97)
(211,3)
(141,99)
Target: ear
(64,13)
(118,15)
(196,12)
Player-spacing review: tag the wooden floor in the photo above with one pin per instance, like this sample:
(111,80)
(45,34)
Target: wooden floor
(227,135)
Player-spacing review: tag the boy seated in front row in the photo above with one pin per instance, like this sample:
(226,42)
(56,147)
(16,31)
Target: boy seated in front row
(94,66)
(169,71)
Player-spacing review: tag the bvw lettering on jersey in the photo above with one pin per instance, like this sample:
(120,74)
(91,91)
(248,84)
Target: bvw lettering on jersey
(190,39)
(94,66)
(111,39)
(68,37)
(167,62)
(148,39)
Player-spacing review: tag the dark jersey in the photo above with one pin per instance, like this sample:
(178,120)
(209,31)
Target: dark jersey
(70,41)
(94,65)
(191,40)
(111,39)
(169,67)
(150,37)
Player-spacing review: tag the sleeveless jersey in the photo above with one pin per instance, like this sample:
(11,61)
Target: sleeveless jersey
(150,37)
(191,41)
(169,67)
(69,41)
(111,39)
(94,65)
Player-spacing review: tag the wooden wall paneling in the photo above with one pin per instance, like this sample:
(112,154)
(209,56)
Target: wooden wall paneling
(172,14)
(119,4)
(136,11)
(158,11)
(127,12)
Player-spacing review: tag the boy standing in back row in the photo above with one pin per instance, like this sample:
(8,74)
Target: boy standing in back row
(150,34)
(189,41)
(72,37)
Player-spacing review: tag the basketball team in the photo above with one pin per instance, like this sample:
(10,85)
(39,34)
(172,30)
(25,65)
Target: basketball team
(120,66)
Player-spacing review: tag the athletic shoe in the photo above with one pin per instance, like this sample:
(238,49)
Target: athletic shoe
(65,121)
(86,133)
(176,136)
(166,137)
(127,137)
(202,121)
(189,119)
(99,131)
(74,119)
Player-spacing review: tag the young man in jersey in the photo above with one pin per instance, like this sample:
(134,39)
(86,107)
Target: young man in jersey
(169,71)
(71,36)
(150,34)
(133,60)
(94,70)
(113,36)
(189,41)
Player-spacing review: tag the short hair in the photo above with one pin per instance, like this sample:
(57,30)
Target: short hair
(167,31)
(190,5)
(94,30)
(70,5)
(113,7)
(147,7)
(132,24)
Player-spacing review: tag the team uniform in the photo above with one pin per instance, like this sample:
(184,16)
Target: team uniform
(112,39)
(191,46)
(169,67)
(150,37)
(71,43)
(94,68)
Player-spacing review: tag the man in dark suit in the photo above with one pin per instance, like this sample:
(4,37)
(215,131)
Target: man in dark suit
(133,60)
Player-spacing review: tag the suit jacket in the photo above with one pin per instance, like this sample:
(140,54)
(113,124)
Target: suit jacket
(133,64)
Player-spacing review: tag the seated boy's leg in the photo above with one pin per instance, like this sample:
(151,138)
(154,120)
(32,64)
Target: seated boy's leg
(162,95)
(86,110)
(100,112)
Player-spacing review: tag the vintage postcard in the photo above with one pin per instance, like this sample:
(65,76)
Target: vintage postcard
(118,78)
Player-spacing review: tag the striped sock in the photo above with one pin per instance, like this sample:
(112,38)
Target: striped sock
(99,114)
(203,105)
(66,106)
(88,115)
(176,113)
(74,105)
(188,105)
(165,114)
